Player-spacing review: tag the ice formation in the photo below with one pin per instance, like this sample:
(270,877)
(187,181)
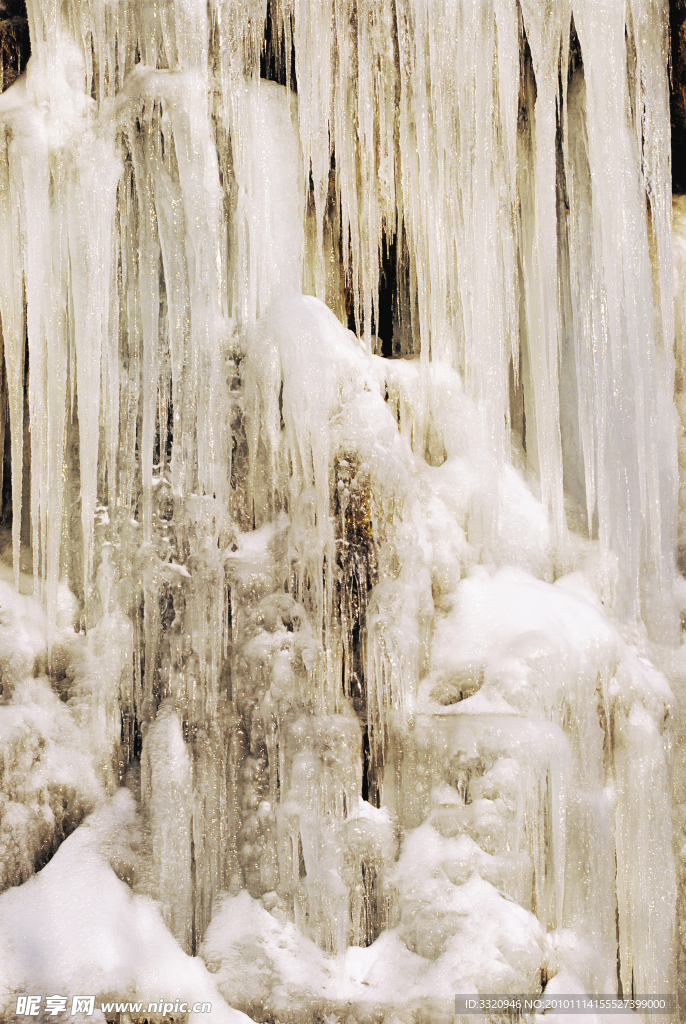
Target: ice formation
(340,672)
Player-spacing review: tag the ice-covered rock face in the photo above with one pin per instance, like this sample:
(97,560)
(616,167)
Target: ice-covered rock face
(337,673)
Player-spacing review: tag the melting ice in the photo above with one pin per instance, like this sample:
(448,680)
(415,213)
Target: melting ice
(329,656)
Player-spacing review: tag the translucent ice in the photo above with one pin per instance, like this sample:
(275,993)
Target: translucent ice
(366,639)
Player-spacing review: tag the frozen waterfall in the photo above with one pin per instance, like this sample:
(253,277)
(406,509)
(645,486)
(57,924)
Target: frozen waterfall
(343,409)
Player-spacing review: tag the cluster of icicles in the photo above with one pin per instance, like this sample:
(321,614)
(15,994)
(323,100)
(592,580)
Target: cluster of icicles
(366,681)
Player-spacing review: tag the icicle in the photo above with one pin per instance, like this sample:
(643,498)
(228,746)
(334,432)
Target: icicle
(214,824)
(166,793)
(645,876)
(35,176)
(268,231)
(149,299)
(314,33)
(547,29)
(12,317)
(200,190)
(91,199)
(627,417)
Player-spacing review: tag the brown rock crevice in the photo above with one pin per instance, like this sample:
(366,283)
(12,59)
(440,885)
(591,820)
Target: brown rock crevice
(677,14)
(15,45)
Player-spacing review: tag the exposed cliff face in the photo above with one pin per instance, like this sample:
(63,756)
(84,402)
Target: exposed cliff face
(677,12)
(15,44)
